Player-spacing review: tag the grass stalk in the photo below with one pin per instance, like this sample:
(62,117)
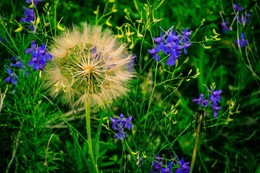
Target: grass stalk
(194,154)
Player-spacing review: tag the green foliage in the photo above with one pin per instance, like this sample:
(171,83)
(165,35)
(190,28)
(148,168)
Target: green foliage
(40,135)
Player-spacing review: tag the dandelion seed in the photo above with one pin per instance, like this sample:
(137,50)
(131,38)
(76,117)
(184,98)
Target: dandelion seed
(92,65)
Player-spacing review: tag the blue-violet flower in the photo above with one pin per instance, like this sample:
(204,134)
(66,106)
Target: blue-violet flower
(201,101)
(242,42)
(224,26)
(39,56)
(12,77)
(16,63)
(237,8)
(184,168)
(120,124)
(28,16)
(171,44)
(212,100)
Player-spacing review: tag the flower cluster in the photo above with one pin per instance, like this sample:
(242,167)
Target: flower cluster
(121,123)
(38,62)
(39,56)
(212,100)
(15,64)
(29,15)
(159,168)
(171,44)
(241,18)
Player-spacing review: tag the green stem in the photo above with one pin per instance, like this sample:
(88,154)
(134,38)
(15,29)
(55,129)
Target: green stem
(89,140)
(55,16)
(9,35)
(196,143)
(151,96)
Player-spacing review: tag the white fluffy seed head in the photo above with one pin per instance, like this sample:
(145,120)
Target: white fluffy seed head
(88,66)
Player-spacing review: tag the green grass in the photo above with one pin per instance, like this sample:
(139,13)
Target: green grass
(38,134)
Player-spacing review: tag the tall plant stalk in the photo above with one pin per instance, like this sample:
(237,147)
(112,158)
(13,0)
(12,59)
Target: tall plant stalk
(194,155)
(89,139)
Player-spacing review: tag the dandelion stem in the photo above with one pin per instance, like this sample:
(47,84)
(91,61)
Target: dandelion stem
(196,143)
(89,140)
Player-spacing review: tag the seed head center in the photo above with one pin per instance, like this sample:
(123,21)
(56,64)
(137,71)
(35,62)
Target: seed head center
(87,69)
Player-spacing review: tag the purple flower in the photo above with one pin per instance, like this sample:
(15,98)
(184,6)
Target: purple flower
(201,101)
(237,8)
(16,63)
(128,123)
(12,77)
(35,2)
(131,64)
(157,165)
(242,42)
(154,52)
(172,37)
(171,44)
(121,123)
(224,26)
(36,62)
(28,16)
(158,40)
(39,56)
(41,51)
(212,100)
(185,40)
(32,48)
(215,110)
(184,168)
(168,169)
(243,19)
(215,98)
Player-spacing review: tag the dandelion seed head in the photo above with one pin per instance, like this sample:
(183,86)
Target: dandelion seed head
(89,65)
